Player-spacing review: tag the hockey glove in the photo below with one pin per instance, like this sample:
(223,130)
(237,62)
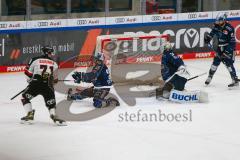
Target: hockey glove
(77,76)
(228,53)
(207,38)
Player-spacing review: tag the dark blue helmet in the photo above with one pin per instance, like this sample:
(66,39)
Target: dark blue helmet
(221,18)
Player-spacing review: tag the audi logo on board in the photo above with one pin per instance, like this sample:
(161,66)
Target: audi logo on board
(192,15)
(42,24)
(120,20)
(156,18)
(3,25)
(81,22)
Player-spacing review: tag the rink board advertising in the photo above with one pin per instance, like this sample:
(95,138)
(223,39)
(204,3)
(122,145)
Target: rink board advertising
(187,37)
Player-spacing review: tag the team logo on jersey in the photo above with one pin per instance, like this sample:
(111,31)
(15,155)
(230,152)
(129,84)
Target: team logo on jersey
(51,102)
(29,96)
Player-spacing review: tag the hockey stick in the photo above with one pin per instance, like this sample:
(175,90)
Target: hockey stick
(154,93)
(224,54)
(65,80)
(18,94)
(197,76)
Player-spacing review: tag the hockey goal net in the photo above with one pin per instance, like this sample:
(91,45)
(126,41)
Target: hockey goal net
(133,58)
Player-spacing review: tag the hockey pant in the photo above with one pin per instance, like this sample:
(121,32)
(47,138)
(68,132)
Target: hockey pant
(39,88)
(227,57)
(98,96)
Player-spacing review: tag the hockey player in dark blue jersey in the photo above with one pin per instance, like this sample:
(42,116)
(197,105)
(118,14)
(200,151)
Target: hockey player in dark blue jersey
(225,52)
(174,72)
(100,78)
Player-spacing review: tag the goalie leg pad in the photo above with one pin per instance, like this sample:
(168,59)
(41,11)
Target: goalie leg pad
(99,95)
(76,96)
(81,94)
(88,92)
(106,102)
(188,96)
(164,92)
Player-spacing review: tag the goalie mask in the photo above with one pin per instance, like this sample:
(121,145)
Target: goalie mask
(167,46)
(48,50)
(99,58)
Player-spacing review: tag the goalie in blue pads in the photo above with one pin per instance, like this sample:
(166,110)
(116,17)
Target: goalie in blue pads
(175,76)
(100,78)
(173,72)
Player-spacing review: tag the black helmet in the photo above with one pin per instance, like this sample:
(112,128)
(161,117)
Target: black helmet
(48,50)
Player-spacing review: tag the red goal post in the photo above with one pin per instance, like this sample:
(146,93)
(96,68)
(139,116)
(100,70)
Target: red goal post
(131,56)
(131,48)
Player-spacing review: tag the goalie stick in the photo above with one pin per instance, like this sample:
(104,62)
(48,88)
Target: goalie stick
(65,80)
(197,76)
(154,93)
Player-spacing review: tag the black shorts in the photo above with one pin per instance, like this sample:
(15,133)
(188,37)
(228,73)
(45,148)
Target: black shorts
(39,88)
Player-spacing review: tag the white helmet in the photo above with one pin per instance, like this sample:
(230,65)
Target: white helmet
(99,57)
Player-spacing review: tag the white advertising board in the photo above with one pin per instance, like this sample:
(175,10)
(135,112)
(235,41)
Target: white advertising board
(159,18)
(10,25)
(123,20)
(47,23)
(86,22)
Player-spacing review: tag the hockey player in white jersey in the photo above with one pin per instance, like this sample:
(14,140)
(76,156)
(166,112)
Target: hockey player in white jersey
(42,75)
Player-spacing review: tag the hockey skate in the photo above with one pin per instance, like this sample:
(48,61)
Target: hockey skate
(209,79)
(28,119)
(58,121)
(235,83)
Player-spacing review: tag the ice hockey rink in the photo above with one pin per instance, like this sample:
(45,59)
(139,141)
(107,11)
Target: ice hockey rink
(212,133)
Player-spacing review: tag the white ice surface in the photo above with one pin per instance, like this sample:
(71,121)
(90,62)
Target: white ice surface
(213,133)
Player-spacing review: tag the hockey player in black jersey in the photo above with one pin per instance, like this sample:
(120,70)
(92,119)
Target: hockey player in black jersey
(225,52)
(42,75)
